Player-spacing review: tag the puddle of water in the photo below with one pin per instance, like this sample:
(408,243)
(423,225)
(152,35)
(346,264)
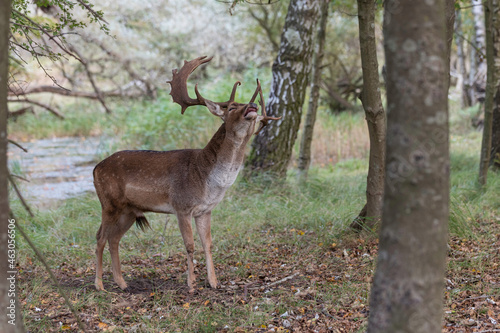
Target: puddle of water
(57,169)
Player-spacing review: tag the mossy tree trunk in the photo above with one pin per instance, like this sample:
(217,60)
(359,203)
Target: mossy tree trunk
(374,114)
(272,148)
(307,136)
(407,292)
(484,160)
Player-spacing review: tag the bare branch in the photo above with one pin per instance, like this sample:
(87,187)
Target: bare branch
(19,177)
(20,112)
(91,79)
(45,106)
(19,195)
(264,24)
(150,89)
(18,145)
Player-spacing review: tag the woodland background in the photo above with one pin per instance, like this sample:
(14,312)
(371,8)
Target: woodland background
(295,240)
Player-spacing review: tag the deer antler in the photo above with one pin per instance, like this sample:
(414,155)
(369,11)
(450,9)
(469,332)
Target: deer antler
(264,118)
(179,91)
(178,84)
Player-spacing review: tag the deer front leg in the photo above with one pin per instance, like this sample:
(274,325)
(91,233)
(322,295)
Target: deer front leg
(187,235)
(203,227)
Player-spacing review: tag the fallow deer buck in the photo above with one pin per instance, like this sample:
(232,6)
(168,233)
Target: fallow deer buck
(188,183)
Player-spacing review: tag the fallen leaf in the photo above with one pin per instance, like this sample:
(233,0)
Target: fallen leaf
(102,325)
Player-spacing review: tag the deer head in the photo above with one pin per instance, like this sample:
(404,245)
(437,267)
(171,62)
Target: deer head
(237,116)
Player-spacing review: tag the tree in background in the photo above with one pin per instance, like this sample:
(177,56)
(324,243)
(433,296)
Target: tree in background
(272,148)
(407,289)
(462,82)
(484,160)
(307,135)
(495,142)
(374,113)
(477,75)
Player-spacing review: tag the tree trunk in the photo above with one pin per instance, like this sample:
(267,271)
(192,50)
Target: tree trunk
(307,136)
(462,72)
(449,13)
(407,291)
(471,92)
(10,320)
(484,160)
(479,79)
(272,148)
(495,140)
(374,113)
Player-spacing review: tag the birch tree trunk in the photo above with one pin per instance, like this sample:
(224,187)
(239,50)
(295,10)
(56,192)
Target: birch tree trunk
(307,136)
(407,290)
(462,77)
(272,149)
(484,160)
(479,79)
(374,114)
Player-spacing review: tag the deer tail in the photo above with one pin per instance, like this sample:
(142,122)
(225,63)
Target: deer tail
(142,222)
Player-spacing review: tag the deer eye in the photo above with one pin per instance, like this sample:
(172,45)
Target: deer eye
(232,108)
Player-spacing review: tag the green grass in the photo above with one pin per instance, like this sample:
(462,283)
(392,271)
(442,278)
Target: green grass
(250,227)
(258,230)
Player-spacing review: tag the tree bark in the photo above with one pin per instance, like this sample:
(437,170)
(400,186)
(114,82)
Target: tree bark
(462,71)
(374,113)
(484,160)
(272,148)
(10,320)
(307,136)
(478,81)
(495,140)
(407,291)
(449,13)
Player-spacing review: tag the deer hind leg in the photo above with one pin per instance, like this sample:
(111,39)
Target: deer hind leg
(106,230)
(101,242)
(187,235)
(124,222)
(203,227)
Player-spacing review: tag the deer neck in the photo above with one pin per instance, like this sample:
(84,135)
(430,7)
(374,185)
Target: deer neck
(223,157)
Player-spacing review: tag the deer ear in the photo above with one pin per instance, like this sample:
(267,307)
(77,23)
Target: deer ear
(215,109)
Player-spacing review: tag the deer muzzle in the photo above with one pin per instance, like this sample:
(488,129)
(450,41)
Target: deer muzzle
(251,111)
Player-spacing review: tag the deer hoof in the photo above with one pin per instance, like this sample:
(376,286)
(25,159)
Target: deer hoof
(127,290)
(98,285)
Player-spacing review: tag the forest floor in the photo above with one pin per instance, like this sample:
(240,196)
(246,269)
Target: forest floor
(284,255)
(281,286)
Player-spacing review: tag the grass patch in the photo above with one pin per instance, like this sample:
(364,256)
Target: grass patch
(282,253)
(261,236)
